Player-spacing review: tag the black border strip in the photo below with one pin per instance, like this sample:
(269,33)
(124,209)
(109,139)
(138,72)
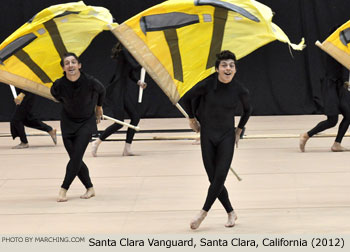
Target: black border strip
(220,18)
(56,38)
(173,43)
(26,59)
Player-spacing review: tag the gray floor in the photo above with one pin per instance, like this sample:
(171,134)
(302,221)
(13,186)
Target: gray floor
(159,190)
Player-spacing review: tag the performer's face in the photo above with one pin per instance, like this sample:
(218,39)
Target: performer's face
(71,66)
(226,70)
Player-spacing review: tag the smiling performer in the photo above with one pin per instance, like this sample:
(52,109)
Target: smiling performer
(219,96)
(82,97)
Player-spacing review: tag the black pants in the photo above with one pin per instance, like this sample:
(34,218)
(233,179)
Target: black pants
(332,121)
(326,124)
(76,146)
(344,124)
(135,119)
(20,119)
(217,153)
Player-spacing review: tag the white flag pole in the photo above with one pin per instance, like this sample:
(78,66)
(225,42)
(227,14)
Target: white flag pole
(122,123)
(142,79)
(181,110)
(13,90)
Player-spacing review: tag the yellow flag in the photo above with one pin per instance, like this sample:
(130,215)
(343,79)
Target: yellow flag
(337,45)
(177,41)
(30,57)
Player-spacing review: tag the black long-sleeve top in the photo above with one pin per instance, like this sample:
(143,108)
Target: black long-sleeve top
(79,99)
(117,90)
(218,103)
(126,67)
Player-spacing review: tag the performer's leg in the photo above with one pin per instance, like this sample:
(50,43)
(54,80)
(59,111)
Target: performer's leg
(84,177)
(108,131)
(231,215)
(224,200)
(17,129)
(75,147)
(208,156)
(222,162)
(329,123)
(343,127)
(224,155)
(39,125)
(135,119)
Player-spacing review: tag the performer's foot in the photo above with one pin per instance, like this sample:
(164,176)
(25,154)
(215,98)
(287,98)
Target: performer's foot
(197,141)
(127,150)
(62,195)
(196,222)
(336,147)
(302,141)
(90,192)
(94,147)
(21,146)
(53,135)
(231,220)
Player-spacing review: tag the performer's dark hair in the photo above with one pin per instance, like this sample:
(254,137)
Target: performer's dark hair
(224,55)
(67,54)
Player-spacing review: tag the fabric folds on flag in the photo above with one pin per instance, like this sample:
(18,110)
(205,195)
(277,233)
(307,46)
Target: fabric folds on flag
(337,45)
(30,57)
(177,41)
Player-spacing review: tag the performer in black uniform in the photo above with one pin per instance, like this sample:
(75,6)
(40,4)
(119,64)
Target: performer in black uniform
(23,116)
(336,99)
(82,97)
(117,99)
(219,96)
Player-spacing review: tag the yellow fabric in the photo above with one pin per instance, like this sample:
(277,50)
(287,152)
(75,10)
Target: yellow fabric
(335,47)
(76,31)
(241,36)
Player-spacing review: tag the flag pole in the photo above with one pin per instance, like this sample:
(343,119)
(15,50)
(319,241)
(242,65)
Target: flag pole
(142,79)
(236,175)
(13,90)
(122,123)
(181,110)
